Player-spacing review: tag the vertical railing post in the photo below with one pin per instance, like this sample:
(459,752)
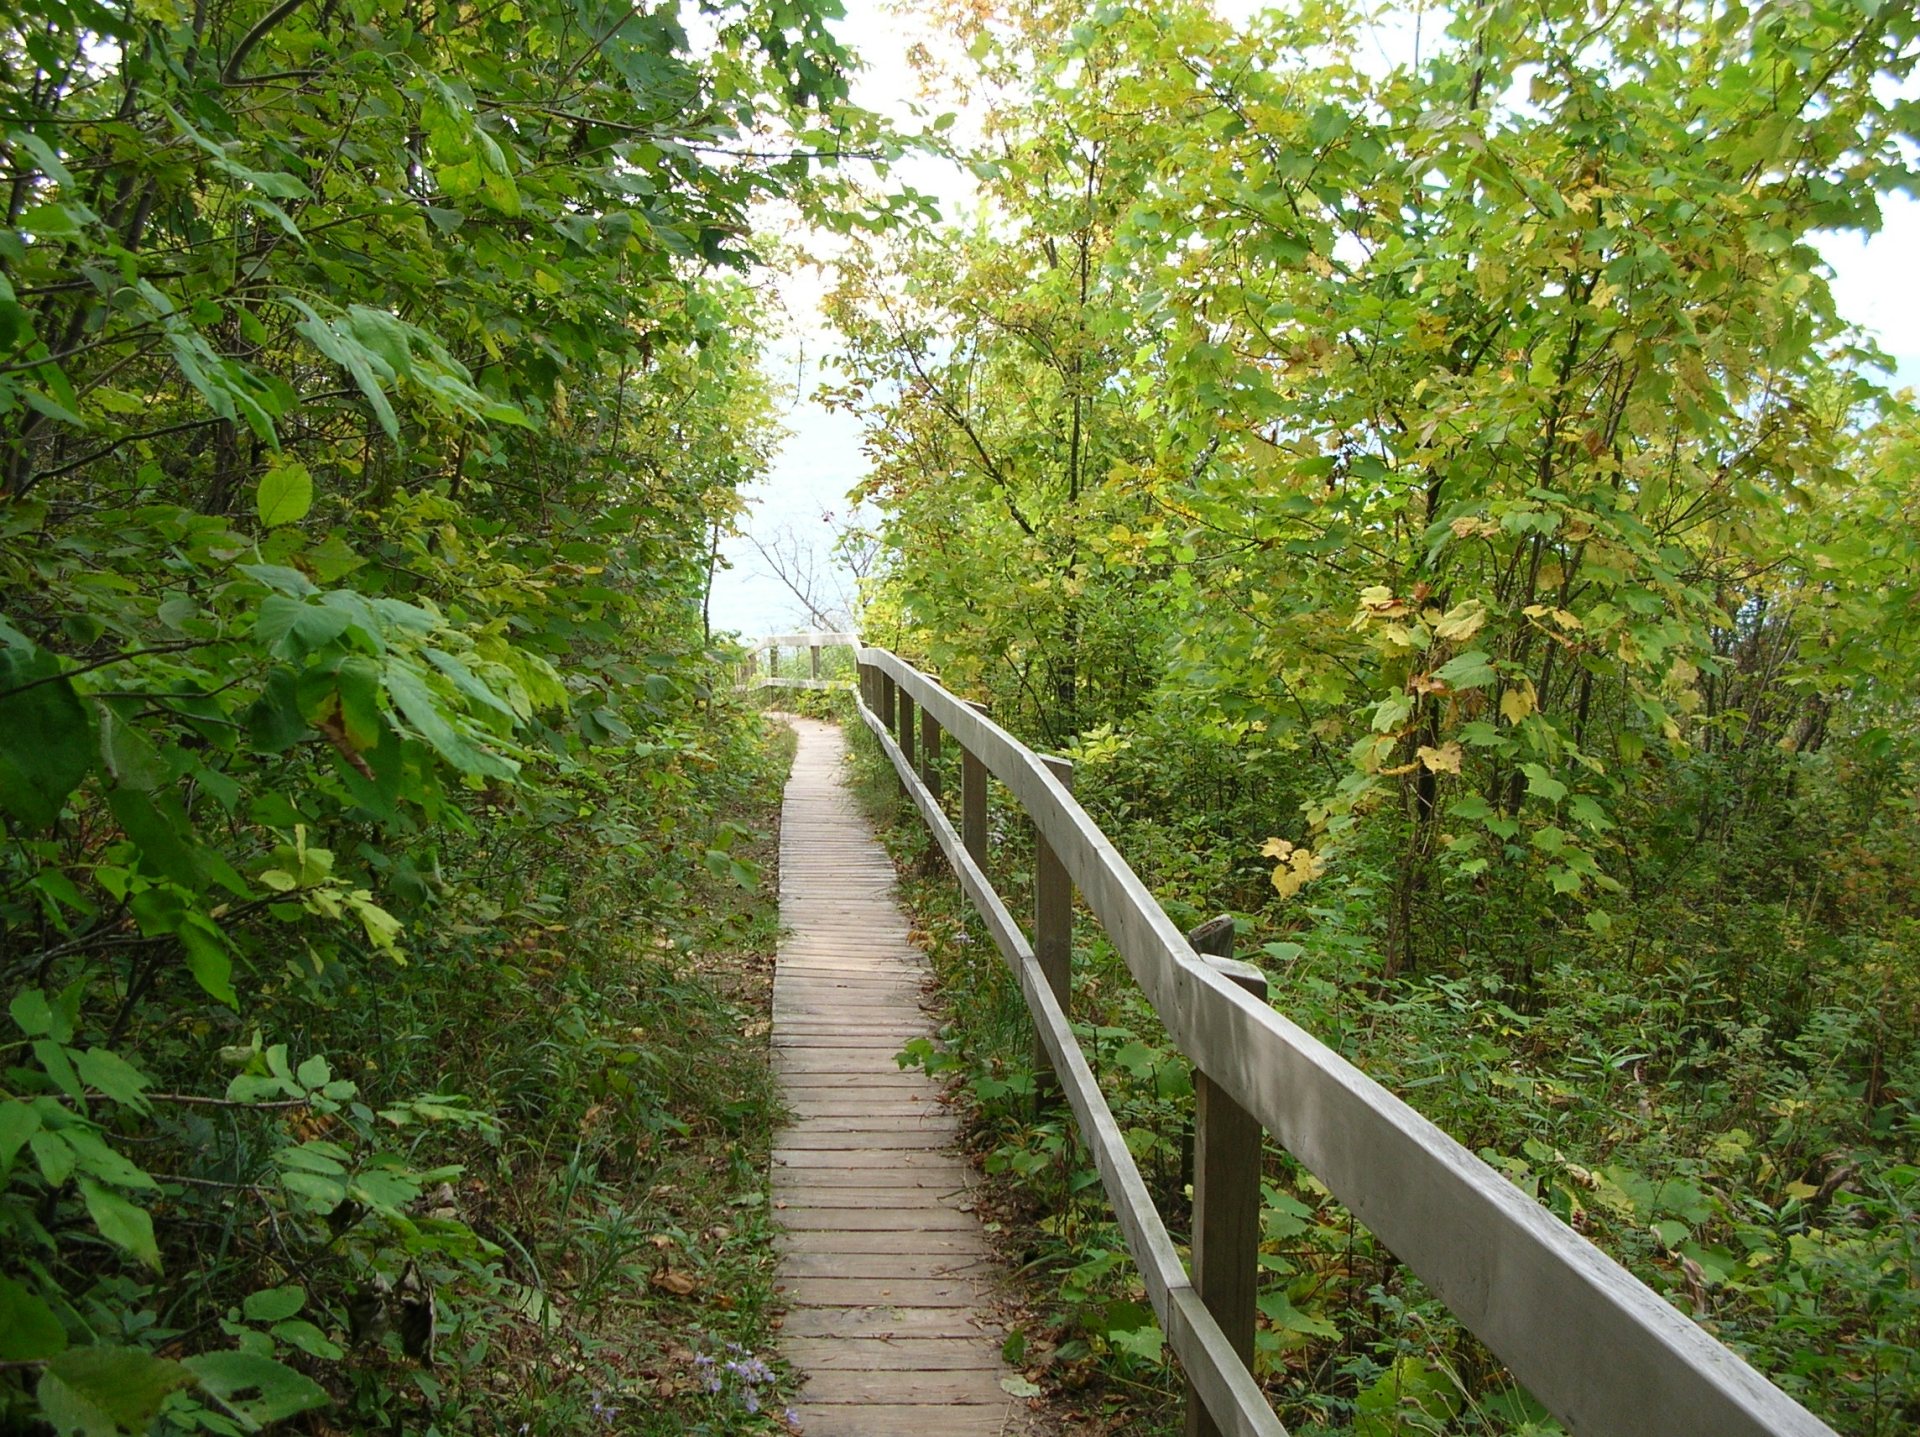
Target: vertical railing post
(1226,1187)
(905,728)
(1052,929)
(814,654)
(973,801)
(930,753)
(890,706)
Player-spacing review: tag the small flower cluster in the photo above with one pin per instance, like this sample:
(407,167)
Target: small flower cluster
(742,1376)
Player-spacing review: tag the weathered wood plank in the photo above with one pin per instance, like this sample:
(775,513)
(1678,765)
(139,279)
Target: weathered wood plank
(900,1419)
(950,1322)
(921,1354)
(879,1291)
(954,1387)
(801,1263)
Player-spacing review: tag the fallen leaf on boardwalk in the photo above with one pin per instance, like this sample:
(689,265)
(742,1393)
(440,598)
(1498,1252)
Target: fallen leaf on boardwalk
(680,1284)
(1019,1387)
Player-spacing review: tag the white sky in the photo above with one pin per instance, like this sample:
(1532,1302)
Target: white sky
(1875,285)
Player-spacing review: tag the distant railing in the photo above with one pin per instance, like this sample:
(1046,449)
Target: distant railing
(812,642)
(1598,1348)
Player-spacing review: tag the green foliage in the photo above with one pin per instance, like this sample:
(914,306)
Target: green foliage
(371,385)
(1442,515)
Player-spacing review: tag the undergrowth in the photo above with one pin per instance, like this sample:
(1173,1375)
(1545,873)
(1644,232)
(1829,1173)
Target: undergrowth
(1763,1183)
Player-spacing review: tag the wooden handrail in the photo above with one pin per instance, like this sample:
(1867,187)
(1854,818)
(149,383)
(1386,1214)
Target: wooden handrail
(1598,1348)
(812,642)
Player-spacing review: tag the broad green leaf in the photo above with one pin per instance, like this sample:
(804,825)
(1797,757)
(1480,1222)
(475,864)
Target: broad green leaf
(31,1012)
(121,1223)
(256,1389)
(106,1391)
(29,1330)
(18,1121)
(46,743)
(285,494)
(274,1304)
(210,962)
(113,1076)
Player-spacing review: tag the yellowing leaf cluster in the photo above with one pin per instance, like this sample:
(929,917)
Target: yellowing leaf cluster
(1295,867)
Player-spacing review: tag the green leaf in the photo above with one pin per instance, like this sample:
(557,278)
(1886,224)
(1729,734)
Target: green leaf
(1542,784)
(1470,670)
(113,1076)
(278,576)
(164,851)
(131,759)
(274,1304)
(54,1157)
(29,1331)
(256,1389)
(209,962)
(106,1391)
(19,1120)
(274,723)
(46,743)
(32,1013)
(124,1224)
(417,702)
(285,495)
(54,1058)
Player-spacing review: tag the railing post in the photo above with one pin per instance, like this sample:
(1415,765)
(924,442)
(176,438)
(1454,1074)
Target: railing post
(930,753)
(814,654)
(904,728)
(973,801)
(1052,930)
(890,707)
(1226,1186)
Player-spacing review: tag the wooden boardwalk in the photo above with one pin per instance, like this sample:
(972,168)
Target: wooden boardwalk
(884,1267)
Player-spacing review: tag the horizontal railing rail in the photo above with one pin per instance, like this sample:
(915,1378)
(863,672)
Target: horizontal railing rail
(813,642)
(1598,1348)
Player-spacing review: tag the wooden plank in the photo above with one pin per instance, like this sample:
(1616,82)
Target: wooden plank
(900,1419)
(800,1158)
(872,1199)
(802,1263)
(879,1291)
(919,1354)
(944,1181)
(882,1240)
(951,1388)
(898,1219)
(884,1322)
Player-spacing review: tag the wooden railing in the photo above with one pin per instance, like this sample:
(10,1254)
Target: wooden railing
(1599,1349)
(813,643)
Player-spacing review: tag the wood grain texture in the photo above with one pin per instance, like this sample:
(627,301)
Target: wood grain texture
(884,1269)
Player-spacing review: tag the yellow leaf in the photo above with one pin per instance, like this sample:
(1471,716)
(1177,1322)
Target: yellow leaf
(1462,621)
(1445,759)
(1516,704)
(1276,848)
